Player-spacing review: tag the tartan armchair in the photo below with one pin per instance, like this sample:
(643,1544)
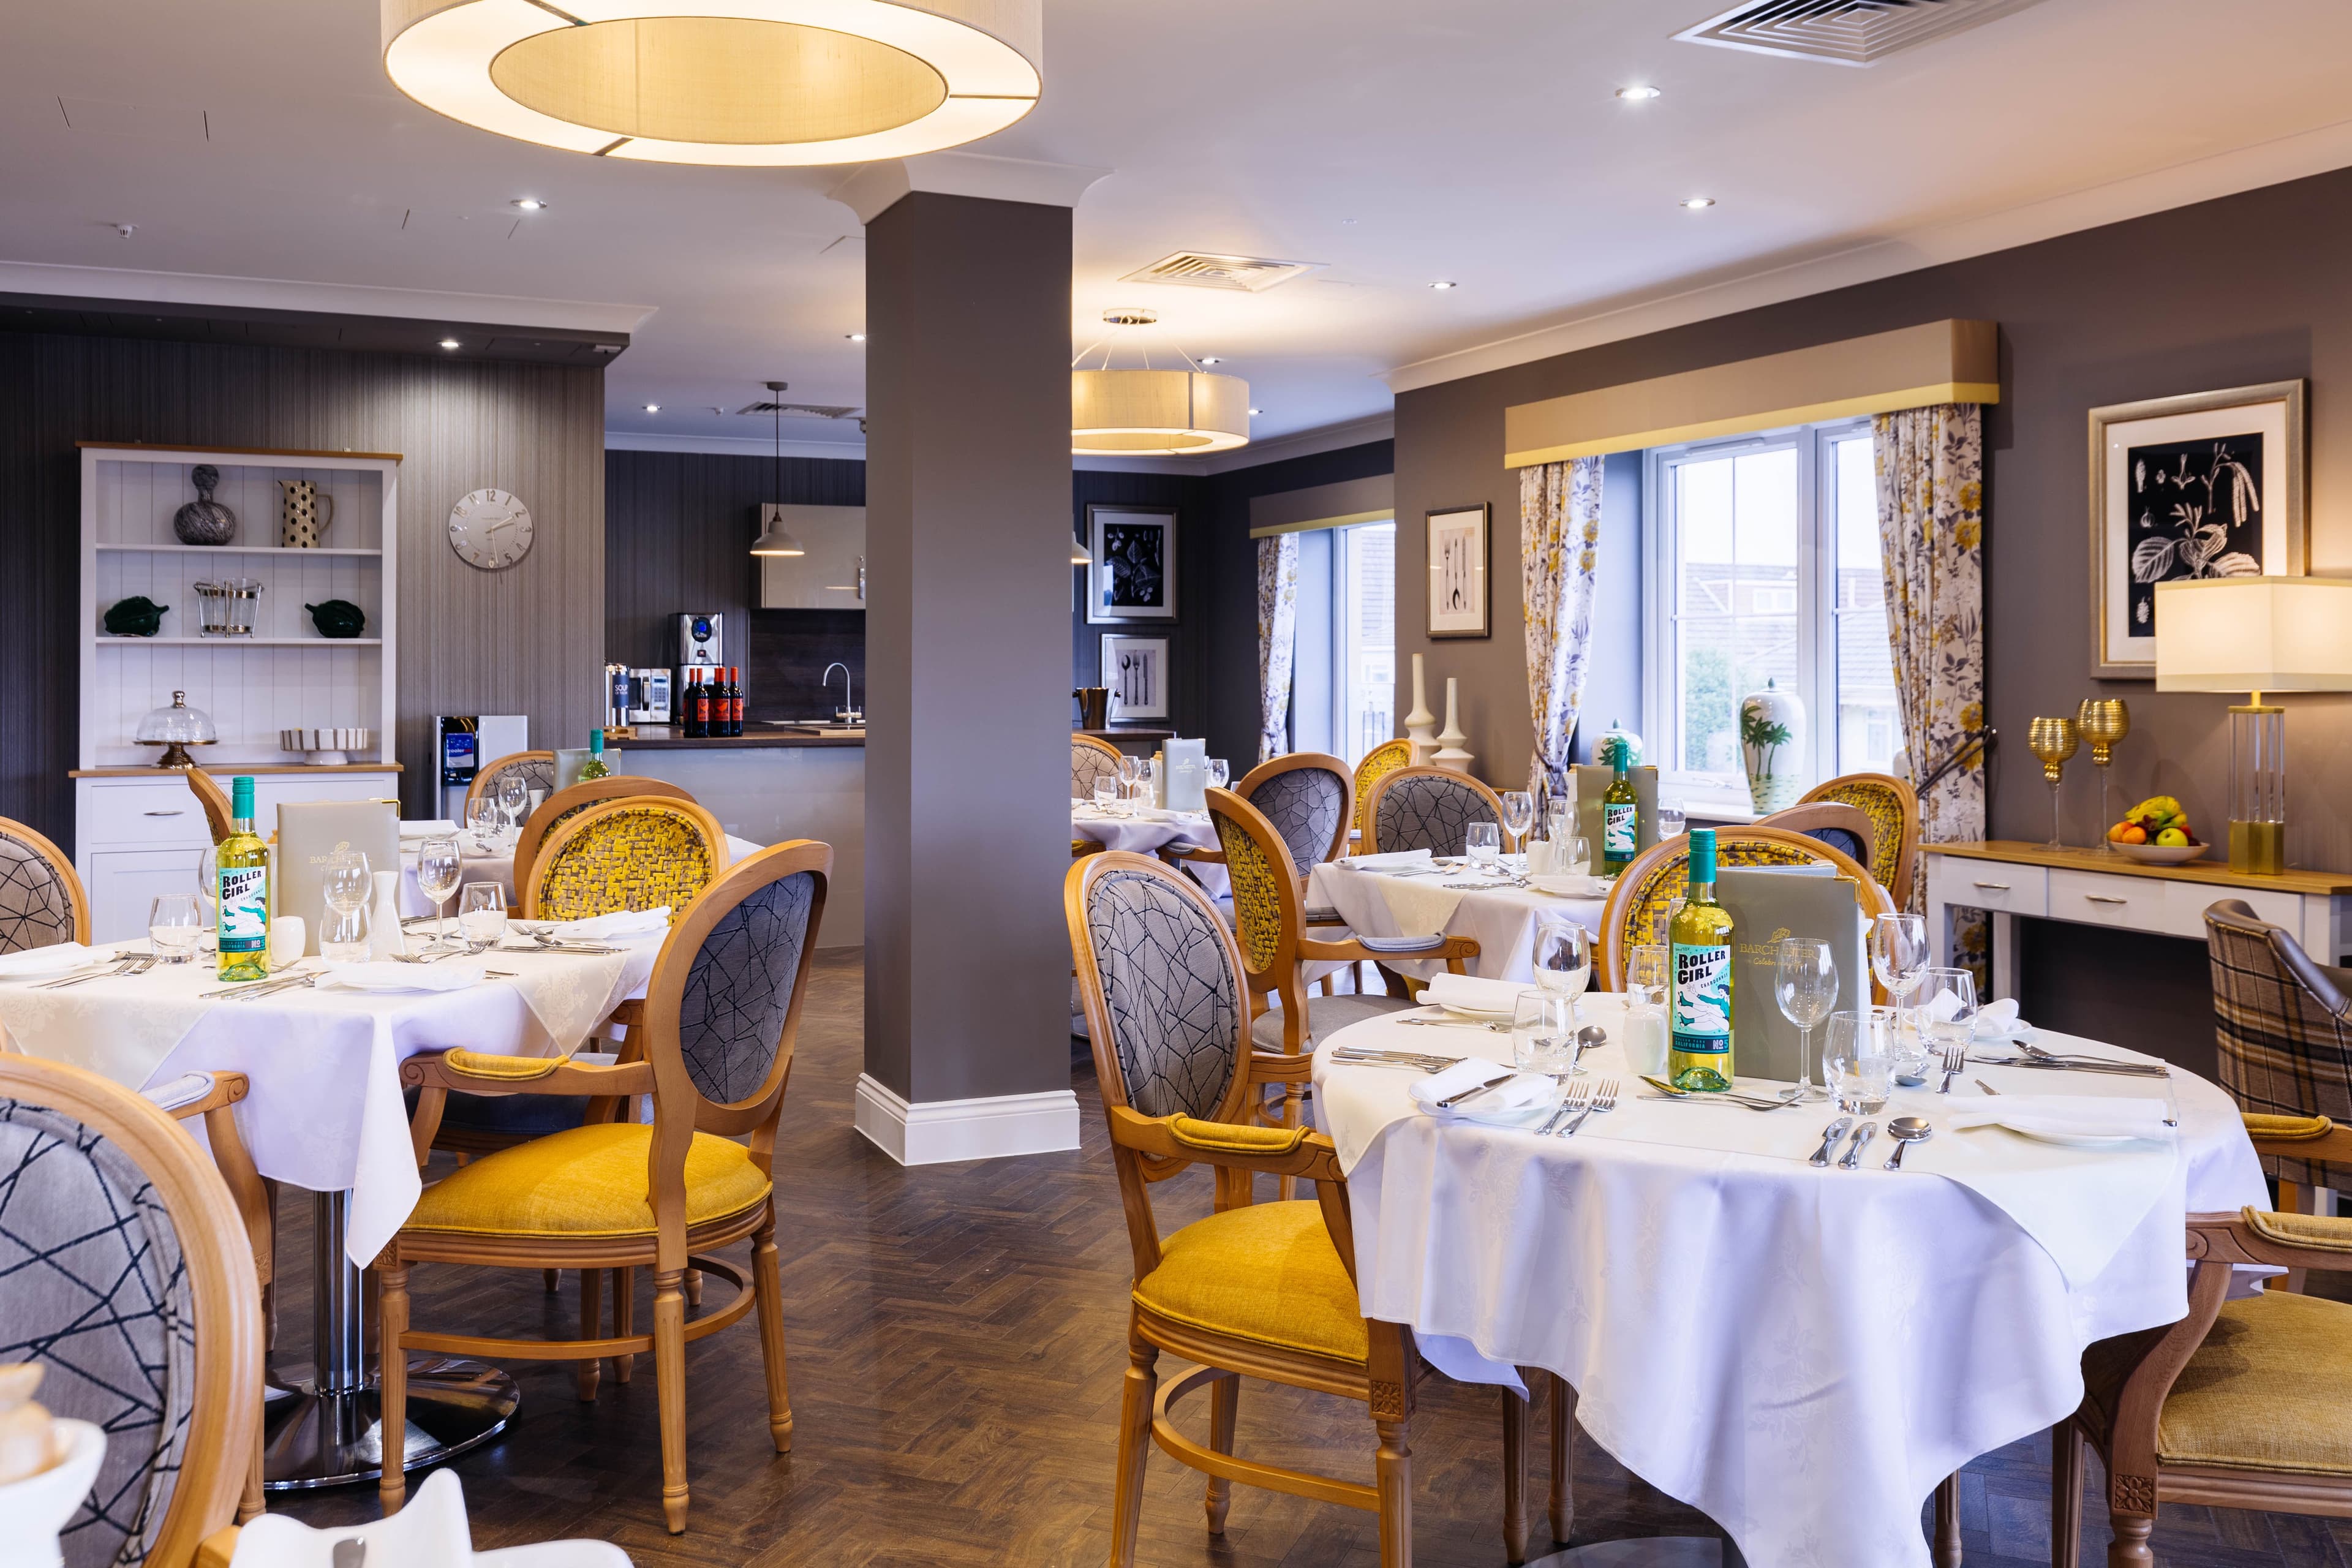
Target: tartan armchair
(2283,1023)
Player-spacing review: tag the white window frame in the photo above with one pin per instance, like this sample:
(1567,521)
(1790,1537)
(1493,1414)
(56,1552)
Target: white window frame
(1343,667)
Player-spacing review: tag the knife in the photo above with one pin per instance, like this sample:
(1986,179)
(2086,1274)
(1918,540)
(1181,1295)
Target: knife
(1451,1101)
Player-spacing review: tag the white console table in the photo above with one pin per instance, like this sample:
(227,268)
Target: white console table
(2008,879)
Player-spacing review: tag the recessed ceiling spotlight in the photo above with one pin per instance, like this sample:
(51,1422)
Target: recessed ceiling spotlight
(1211,359)
(855,337)
(1442,284)
(529,204)
(1258,411)
(1638,94)
(449,343)
(653,408)
(1697,204)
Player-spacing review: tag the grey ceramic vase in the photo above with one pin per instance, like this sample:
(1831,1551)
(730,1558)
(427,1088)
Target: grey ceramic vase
(204,521)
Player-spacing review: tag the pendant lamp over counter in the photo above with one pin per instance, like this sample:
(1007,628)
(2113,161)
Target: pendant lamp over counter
(773,540)
(1153,413)
(758,83)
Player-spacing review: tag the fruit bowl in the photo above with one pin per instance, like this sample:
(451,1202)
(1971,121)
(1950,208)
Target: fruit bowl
(2161,854)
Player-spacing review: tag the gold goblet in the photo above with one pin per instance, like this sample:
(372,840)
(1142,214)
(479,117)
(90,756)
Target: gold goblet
(2104,721)
(2053,740)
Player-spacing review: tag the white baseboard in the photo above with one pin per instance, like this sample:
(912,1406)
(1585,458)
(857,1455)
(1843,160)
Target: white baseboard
(936,1132)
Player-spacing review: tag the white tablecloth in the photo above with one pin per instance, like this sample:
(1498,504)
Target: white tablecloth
(475,865)
(1150,831)
(1801,1354)
(325,1110)
(1503,919)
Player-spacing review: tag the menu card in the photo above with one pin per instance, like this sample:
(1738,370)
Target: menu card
(1184,775)
(310,834)
(1767,903)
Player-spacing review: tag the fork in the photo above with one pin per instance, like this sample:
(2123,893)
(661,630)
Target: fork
(129,963)
(1604,1101)
(1574,1098)
(1956,1058)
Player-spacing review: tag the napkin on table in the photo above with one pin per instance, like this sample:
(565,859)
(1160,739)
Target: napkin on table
(1394,858)
(54,958)
(426,828)
(2063,1115)
(1469,991)
(1524,1092)
(1998,1021)
(450,974)
(620,922)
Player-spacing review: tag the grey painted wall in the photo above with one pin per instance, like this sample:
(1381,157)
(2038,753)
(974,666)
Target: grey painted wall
(2244,289)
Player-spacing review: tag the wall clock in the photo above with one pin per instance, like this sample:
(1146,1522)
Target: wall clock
(490,529)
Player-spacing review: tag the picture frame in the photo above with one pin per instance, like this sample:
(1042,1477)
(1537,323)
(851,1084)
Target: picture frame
(1459,592)
(2207,484)
(1136,671)
(1133,577)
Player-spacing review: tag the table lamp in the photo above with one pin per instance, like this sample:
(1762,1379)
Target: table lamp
(2255,635)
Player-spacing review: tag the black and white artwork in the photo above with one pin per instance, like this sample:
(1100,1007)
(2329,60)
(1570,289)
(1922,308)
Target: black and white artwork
(2196,511)
(1135,671)
(1457,572)
(1133,577)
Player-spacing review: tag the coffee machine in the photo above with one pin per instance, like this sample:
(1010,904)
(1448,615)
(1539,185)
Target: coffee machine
(461,744)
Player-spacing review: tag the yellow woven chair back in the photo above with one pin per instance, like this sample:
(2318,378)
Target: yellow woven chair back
(1893,807)
(1266,903)
(1379,763)
(1638,906)
(639,852)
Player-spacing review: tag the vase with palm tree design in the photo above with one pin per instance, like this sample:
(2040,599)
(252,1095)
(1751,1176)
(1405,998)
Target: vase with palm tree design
(1772,747)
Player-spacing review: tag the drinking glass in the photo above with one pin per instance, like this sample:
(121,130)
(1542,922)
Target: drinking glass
(1672,821)
(1518,816)
(1856,1061)
(1946,1013)
(1805,984)
(1220,775)
(1645,1009)
(1106,792)
(1563,957)
(438,867)
(481,915)
(176,924)
(1483,840)
(1145,773)
(1580,856)
(1559,818)
(1898,955)
(1128,770)
(343,934)
(485,819)
(1543,1035)
(515,795)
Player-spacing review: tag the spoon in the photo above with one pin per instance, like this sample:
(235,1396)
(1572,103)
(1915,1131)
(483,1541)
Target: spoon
(1906,1131)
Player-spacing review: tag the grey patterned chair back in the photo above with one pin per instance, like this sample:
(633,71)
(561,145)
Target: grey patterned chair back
(1089,764)
(731,1020)
(1845,841)
(1169,986)
(94,1287)
(1428,812)
(36,907)
(1305,804)
(538,772)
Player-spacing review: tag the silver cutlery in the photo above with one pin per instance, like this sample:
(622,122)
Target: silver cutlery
(259,987)
(1830,1136)
(302,983)
(1451,1101)
(1955,1057)
(1906,1131)
(1851,1159)
(2152,1069)
(1604,1099)
(1725,1097)
(1572,1099)
(2125,1069)
(129,963)
(1987,1088)
(1457,1024)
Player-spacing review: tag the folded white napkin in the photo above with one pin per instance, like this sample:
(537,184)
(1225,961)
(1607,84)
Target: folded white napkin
(54,958)
(1569,885)
(1998,1021)
(1469,991)
(427,828)
(1394,858)
(1524,1092)
(2063,1115)
(449,974)
(621,922)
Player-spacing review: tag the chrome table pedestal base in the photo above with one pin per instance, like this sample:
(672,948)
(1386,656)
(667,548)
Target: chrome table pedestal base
(324,1431)
(1650,1552)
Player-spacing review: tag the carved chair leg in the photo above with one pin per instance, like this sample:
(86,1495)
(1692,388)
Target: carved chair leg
(770,1307)
(2130,1548)
(1948,1522)
(669,1383)
(2065,1495)
(592,1326)
(1515,1478)
(625,1319)
(250,1504)
(550,1278)
(1224,1407)
(1134,1448)
(694,1287)
(1393,1472)
(392,1379)
(1563,1439)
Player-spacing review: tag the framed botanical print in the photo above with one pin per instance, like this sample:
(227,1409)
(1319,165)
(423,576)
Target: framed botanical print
(1457,572)
(2206,485)
(1135,671)
(1133,577)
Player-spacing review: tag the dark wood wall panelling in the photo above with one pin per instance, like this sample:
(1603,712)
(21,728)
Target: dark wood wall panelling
(523,640)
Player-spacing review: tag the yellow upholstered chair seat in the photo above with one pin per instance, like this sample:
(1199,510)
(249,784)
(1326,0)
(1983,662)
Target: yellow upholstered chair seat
(588,1181)
(2270,1389)
(1265,1272)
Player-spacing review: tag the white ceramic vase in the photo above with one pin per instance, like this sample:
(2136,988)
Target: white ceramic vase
(1421,724)
(1772,747)
(384,938)
(1450,753)
(34,1510)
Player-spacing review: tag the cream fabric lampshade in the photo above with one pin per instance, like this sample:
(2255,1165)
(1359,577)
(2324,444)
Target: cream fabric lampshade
(1157,413)
(2254,634)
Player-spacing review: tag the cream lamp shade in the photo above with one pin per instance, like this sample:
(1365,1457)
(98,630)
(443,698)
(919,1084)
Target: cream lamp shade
(2254,634)
(742,82)
(1157,413)
(774,538)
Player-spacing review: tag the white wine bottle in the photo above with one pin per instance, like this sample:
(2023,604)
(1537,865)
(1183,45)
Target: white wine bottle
(243,890)
(594,767)
(1699,938)
(1620,817)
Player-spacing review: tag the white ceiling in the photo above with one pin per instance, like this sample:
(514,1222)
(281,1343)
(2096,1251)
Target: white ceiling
(1476,140)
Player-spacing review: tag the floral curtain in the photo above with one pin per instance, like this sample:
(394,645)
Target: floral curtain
(1559,539)
(1277,632)
(1931,541)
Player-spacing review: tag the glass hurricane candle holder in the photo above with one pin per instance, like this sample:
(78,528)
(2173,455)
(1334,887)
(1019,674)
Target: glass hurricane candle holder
(2103,720)
(2053,740)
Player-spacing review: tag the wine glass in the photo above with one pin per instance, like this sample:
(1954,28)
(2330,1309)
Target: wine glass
(1559,818)
(1898,956)
(1518,816)
(1805,984)
(343,935)
(1563,957)
(1672,821)
(1484,843)
(1105,794)
(486,820)
(1946,1013)
(2053,741)
(176,925)
(481,915)
(514,794)
(1856,1061)
(1147,773)
(438,869)
(1220,775)
(1129,768)
(1580,856)
(2102,722)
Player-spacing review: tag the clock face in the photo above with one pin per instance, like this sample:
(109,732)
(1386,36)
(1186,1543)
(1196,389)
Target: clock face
(490,529)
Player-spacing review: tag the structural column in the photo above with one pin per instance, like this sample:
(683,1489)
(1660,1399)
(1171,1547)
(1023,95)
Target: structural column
(967,656)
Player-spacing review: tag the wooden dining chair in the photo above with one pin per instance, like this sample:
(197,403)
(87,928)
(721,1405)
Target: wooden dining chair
(1844,828)
(1378,763)
(2243,1404)
(41,899)
(1893,807)
(1090,759)
(1310,799)
(1428,808)
(2283,1027)
(1265,1290)
(537,768)
(129,1277)
(568,801)
(634,852)
(219,815)
(1646,889)
(721,1015)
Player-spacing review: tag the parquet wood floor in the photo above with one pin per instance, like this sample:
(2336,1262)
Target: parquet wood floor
(957,1338)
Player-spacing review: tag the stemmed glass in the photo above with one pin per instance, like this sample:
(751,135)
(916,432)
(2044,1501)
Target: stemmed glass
(1105,794)
(1129,770)
(1220,775)
(2052,742)
(1947,1014)
(1672,821)
(1483,841)
(1579,854)
(515,795)
(1563,959)
(438,869)
(481,915)
(1145,772)
(1805,984)
(1518,816)
(486,820)
(1898,956)
(1560,813)
(343,938)
(176,924)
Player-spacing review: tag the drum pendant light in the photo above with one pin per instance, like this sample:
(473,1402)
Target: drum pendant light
(1153,413)
(744,82)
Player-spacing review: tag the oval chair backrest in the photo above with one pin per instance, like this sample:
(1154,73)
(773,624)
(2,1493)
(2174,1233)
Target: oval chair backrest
(1379,763)
(41,899)
(1844,828)
(1090,760)
(1893,807)
(537,768)
(566,803)
(639,852)
(218,819)
(129,1277)
(1638,905)
(1309,799)
(1428,808)
(1160,982)
(2286,1049)
(1268,910)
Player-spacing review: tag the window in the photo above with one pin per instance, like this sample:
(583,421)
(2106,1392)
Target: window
(1343,671)
(1764,567)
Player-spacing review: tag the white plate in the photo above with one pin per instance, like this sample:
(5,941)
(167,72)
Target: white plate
(1566,885)
(1484,1015)
(2076,1140)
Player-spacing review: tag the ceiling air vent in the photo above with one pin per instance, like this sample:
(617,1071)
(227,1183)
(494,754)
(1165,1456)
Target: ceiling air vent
(1844,32)
(799,410)
(1249,274)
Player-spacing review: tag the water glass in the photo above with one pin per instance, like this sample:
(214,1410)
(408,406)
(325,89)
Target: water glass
(1646,973)
(1946,1013)
(1672,821)
(481,915)
(1220,775)
(1563,957)
(1483,840)
(1543,1035)
(1145,772)
(1106,792)
(176,925)
(485,819)
(344,932)
(1578,861)
(1805,984)
(1858,1060)
(1559,818)
(438,869)
(1518,814)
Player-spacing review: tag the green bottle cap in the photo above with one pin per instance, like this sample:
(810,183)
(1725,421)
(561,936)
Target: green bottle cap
(1702,854)
(596,743)
(241,799)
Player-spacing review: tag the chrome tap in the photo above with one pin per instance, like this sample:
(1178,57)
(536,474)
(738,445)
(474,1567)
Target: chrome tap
(847,712)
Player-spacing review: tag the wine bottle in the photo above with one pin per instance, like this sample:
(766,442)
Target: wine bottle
(694,706)
(734,699)
(1620,817)
(242,888)
(1699,955)
(594,768)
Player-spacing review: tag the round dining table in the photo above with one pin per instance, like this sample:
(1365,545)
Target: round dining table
(1376,897)
(1802,1352)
